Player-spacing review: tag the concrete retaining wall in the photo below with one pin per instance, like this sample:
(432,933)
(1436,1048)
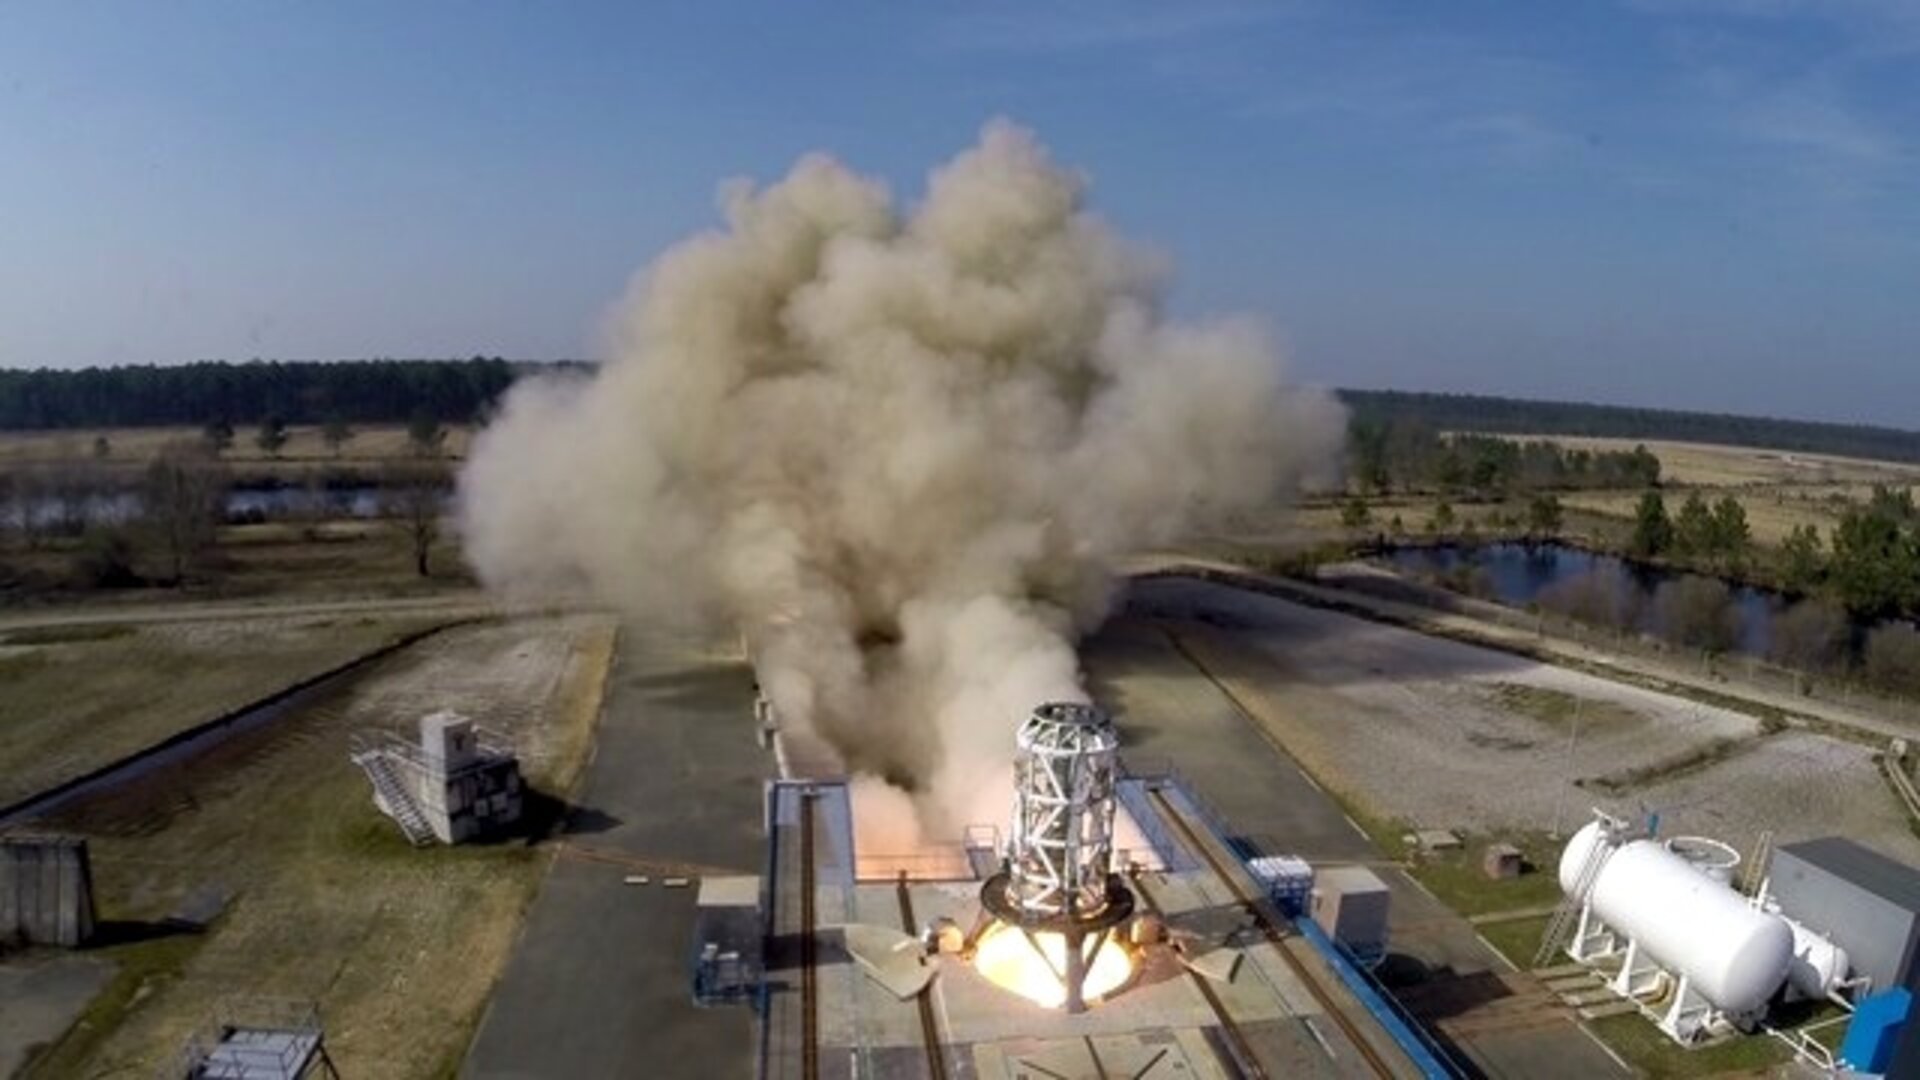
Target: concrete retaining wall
(46,890)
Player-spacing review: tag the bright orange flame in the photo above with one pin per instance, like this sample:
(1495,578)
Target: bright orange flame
(1009,961)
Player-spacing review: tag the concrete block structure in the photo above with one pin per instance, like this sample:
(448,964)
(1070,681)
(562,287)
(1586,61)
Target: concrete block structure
(457,783)
(46,890)
(1866,902)
(1350,904)
(1502,862)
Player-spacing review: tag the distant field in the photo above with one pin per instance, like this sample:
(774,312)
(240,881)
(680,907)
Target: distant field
(1772,513)
(1709,465)
(372,443)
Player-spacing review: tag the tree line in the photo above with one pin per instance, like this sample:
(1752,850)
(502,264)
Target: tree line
(461,391)
(1408,455)
(291,392)
(1469,412)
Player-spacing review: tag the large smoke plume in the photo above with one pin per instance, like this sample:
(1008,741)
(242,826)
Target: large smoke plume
(897,448)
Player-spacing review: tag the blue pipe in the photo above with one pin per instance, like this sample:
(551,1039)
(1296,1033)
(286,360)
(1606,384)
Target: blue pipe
(1417,1044)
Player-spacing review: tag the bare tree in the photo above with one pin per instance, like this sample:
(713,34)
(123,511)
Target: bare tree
(10,503)
(1893,658)
(182,498)
(31,510)
(1594,598)
(1809,636)
(76,488)
(1697,612)
(413,496)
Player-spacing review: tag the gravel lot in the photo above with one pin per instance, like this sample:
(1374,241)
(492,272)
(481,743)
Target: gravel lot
(1800,785)
(502,676)
(1428,731)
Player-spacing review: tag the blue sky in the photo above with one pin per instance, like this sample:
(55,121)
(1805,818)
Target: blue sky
(1695,203)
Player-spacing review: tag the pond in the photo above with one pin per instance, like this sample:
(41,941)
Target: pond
(1521,575)
(266,504)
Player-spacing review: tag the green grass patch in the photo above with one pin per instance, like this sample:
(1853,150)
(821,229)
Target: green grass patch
(66,635)
(1516,939)
(1655,1056)
(1457,879)
(1559,710)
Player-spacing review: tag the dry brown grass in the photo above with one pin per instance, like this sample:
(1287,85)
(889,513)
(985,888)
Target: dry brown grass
(371,443)
(398,947)
(1772,512)
(73,702)
(1711,465)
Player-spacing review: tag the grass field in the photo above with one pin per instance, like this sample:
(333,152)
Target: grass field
(1709,465)
(355,557)
(1772,512)
(78,698)
(306,892)
(371,443)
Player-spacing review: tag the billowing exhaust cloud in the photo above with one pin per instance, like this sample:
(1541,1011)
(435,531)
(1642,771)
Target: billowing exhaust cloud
(898,448)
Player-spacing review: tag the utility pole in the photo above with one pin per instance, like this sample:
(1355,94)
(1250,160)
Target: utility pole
(1573,738)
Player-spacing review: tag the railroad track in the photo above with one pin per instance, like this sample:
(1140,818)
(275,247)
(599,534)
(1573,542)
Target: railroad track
(809,951)
(1238,1048)
(929,1031)
(1271,932)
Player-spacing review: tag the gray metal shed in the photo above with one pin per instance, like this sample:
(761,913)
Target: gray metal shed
(1866,902)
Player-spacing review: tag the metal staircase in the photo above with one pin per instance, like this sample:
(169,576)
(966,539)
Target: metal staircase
(391,790)
(1758,863)
(1568,913)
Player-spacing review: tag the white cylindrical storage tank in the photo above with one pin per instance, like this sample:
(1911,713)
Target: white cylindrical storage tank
(1733,956)
(1709,856)
(1819,965)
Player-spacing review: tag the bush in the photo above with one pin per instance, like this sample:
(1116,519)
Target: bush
(1594,598)
(105,561)
(1893,658)
(1696,612)
(1809,636)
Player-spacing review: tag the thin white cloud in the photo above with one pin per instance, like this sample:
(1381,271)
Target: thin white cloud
(1805,119)
(1516,137)
(1076,25)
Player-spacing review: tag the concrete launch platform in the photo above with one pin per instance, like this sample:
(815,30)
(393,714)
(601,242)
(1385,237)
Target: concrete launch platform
(1286,1011)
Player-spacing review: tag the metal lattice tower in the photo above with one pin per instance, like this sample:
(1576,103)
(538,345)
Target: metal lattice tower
(1058,875)
(1061,850)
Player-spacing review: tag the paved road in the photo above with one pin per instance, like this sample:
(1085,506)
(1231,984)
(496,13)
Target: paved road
(41,994)
(1170,711)
(598,984)
(1170,708)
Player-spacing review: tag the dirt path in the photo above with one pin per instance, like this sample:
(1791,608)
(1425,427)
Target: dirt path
(452,605)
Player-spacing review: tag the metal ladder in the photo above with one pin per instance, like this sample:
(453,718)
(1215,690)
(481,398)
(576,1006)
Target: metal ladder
(1755,879)
(394,796)
(1568,913)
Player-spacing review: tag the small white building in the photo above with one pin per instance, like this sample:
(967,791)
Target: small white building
(457,783)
